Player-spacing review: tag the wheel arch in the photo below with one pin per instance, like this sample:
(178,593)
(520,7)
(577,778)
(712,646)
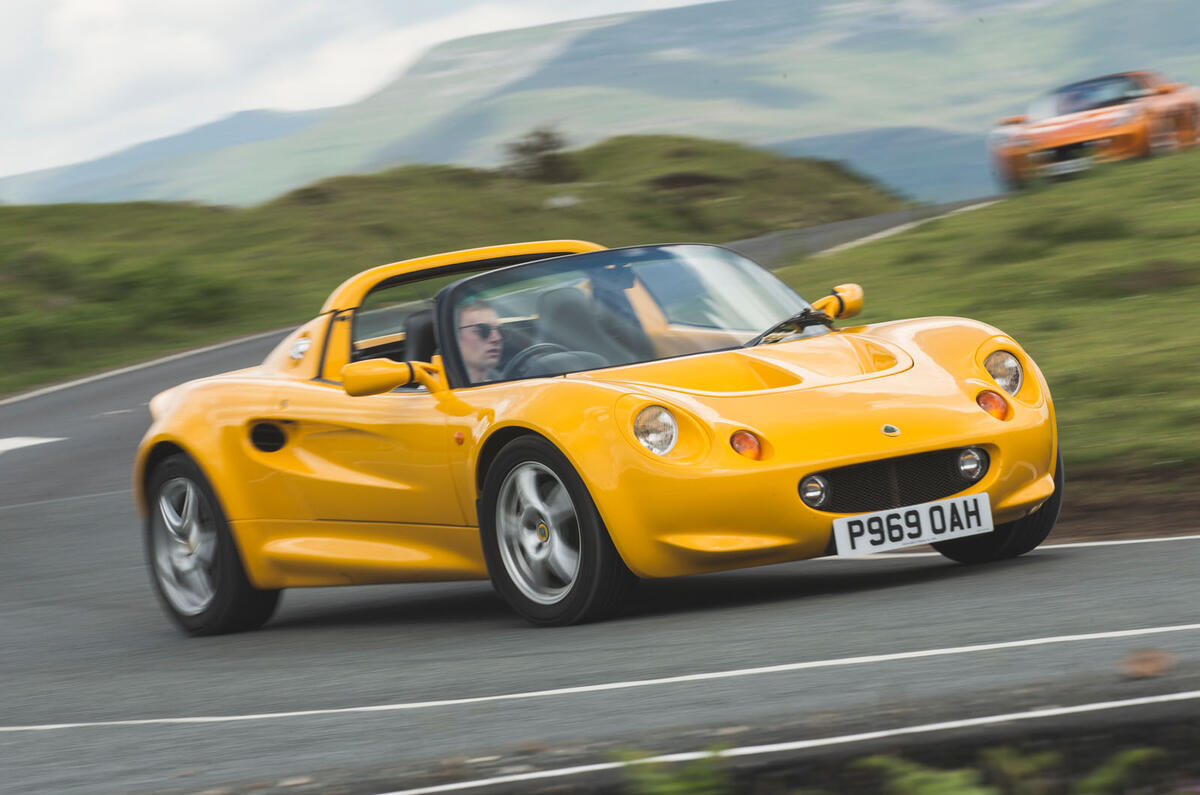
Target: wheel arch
(160,451)
(494,444)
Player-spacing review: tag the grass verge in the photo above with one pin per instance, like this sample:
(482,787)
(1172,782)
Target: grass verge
(84,287)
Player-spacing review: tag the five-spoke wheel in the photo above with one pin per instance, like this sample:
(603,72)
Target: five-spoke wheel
(195,566)
(538,532)
(546,547)
(184,546)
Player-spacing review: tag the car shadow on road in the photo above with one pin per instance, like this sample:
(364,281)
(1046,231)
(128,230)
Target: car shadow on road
(800,581)
(476,603)
(403,605)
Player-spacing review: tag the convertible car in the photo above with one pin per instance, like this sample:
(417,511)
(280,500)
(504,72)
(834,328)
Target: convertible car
(563,419)
(1120,116)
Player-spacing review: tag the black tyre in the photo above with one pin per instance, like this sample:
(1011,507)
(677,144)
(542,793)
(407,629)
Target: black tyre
(546,547)
(194,563)
(1011,539)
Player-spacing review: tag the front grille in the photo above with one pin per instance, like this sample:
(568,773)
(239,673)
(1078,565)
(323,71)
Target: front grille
(1068,153)
(894,482)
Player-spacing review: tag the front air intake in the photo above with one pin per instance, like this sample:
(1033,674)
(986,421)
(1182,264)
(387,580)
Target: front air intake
(894,482)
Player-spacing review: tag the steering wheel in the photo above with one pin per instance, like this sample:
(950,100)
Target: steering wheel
(513,368)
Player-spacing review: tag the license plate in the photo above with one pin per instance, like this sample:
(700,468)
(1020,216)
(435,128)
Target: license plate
(1067,167)
(940,520)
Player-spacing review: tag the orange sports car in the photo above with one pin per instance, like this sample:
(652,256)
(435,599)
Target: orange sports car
(1120,116)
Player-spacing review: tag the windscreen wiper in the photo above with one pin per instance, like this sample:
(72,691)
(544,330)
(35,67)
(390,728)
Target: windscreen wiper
(803,319)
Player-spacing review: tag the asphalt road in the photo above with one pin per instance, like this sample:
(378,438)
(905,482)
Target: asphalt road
(83,642)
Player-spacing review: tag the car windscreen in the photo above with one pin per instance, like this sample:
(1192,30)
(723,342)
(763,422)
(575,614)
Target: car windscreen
(610,308)
(1087,95)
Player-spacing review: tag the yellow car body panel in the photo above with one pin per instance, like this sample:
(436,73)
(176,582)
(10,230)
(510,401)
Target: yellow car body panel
(384,488)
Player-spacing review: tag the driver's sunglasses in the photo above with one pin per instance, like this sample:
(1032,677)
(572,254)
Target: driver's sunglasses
(484,330)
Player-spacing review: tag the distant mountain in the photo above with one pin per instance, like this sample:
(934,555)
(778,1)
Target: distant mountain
(901,89)
(129,173)
(925,163)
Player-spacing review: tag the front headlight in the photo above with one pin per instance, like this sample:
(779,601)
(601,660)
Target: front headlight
(999,136)
(1123,116)
(1005,368)
(656,429)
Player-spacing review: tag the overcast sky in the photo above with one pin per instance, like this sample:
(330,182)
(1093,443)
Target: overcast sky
(81,78)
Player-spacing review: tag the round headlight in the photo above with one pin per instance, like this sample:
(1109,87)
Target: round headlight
(814,490)
(972,463)
(1005,368)
(656,429)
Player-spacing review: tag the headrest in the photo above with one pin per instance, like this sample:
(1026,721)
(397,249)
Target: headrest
(419,338)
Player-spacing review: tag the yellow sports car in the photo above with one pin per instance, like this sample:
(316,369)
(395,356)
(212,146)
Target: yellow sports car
(565,418)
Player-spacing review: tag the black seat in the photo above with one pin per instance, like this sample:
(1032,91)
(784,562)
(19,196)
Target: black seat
(567,317)
(419,338)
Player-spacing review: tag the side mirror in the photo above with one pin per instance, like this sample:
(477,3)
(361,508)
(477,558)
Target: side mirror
(846,300)
(1168,88)
(375,376)
(1014,120)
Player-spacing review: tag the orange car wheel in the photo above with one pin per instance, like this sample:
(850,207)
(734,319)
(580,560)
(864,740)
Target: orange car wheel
(194,563)
(547,550)
(1011,539)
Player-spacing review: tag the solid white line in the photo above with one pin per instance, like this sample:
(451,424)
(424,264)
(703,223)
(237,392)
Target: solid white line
(1065,545)
(626,685)
(17,442)
(800,745)
(142,366)
(1119,542)
(895,230)
(63,499)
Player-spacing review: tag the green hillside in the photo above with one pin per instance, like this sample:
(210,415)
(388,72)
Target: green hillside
(1098,278)
(84,287)
(916,82)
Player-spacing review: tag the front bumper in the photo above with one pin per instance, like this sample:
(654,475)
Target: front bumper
(748,513)
(1063,157)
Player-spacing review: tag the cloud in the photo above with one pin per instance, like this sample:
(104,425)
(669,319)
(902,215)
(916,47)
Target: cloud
(82,78)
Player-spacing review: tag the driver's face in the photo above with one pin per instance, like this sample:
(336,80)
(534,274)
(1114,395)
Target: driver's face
(479,340)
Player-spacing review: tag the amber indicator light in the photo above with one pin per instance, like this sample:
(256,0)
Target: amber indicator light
(993,404)
(747,444)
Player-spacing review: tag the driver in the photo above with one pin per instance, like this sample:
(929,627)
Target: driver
(479,341)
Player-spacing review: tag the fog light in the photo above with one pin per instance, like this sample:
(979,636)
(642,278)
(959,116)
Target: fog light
(747,444)
(814,490)
(972,463)
(993,404)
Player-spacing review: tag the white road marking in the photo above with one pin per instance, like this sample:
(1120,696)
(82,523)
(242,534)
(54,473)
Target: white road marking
(800,745)
(1067,544)
(113,412)
(64,499)
(625,685)
(17,442)
(895,230)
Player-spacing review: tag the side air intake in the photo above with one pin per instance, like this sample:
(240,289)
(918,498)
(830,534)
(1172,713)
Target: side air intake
(267,436)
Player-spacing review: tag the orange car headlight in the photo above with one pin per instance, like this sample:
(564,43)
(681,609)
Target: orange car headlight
(1123,116)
